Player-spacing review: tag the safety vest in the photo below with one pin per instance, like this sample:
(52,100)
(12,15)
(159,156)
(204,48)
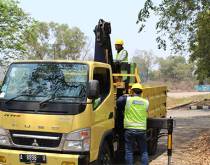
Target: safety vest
(135,116)
(122,56)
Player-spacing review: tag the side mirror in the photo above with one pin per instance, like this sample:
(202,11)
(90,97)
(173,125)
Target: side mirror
(93,89)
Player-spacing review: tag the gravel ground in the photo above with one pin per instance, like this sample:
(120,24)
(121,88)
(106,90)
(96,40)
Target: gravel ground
(191,127)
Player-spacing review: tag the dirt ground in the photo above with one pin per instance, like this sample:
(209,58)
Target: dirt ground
(185,94)
(191,139)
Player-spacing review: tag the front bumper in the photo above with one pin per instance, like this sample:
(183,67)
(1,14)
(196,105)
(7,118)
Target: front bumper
(11,157)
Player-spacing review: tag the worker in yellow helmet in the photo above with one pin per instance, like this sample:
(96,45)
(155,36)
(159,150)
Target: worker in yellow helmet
(135,123)
(122,54)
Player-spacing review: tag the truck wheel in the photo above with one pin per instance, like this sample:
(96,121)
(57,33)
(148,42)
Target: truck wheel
(153,143)
(105,157)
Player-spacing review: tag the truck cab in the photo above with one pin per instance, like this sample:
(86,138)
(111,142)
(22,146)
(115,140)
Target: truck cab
(57,113)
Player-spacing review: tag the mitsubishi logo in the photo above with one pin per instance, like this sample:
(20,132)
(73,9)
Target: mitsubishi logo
(35,144)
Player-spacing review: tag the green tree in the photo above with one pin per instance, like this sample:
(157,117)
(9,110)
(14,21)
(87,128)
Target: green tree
(175,68)
(53,40)
(87,51)
(69,42)
(37,38)
(155,75)
(186,24)
(13,21)
(145,60)
(200,47)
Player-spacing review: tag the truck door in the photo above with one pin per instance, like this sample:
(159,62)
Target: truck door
(101,105)
(103,109)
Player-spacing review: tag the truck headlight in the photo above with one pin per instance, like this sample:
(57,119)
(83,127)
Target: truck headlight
(4,139)
(78,141)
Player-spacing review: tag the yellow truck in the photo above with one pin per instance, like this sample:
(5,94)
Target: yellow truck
(50,113)
(65,113)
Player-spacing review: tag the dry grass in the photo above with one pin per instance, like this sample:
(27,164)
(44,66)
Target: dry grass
(181,86)
(173,102)
(197,153)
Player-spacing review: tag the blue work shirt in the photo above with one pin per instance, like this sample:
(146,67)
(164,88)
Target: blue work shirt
(121,101)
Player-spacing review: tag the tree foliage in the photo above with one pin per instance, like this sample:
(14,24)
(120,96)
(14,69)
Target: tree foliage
(13,21)
(53,40)
(186,24)
(145,61)
(178,20)
(200,47)
(175,68)
(37,40)
(171,68)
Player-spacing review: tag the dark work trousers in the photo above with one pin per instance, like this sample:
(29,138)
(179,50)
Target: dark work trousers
(132,136)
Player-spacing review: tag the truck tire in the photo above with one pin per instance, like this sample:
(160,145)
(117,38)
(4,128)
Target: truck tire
(153,142)
(104,157)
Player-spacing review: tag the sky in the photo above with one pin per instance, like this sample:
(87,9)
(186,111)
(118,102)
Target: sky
(85,14)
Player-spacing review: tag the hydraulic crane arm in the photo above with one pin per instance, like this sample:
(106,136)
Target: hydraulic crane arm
(103,48)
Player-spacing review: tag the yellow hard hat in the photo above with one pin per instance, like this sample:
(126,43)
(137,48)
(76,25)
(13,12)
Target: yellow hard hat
(137,86)
(119,42)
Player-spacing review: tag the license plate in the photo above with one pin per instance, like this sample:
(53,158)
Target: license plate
(32,158)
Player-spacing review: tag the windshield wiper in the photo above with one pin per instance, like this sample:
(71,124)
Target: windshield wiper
(22,93)
(13,98)
(69,97)
(59,97)
(47,100)
(52,97)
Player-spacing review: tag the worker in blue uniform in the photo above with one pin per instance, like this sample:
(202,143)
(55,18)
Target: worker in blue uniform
(135,123)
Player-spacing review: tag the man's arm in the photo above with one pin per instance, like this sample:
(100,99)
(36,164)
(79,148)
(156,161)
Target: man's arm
(121,101)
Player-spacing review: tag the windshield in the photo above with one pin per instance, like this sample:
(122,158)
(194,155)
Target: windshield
(40,81)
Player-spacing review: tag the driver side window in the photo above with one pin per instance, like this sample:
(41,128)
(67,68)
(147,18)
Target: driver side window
(103,77)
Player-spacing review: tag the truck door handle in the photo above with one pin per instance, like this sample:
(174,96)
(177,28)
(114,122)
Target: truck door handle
(110,115)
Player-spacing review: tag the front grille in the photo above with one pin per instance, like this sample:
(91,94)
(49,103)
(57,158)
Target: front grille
(36,139)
